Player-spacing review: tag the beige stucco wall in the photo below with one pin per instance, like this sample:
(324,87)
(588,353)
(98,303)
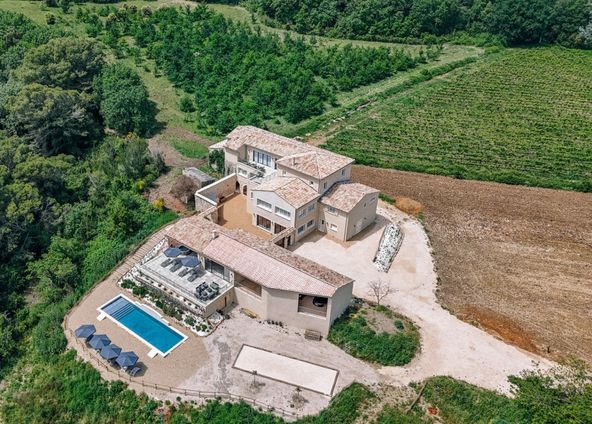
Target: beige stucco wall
(283,306)
(362,215)
(326,183)
(339,218)
(349,224)
(221,188)
(275,200)
(321,186)
(287,172)
(305,219)
(247,300)
(339,302)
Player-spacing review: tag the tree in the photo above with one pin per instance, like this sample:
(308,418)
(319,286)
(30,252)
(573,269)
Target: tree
(379,289)
(184,188)
(69,63)
(123,99)
(52,120)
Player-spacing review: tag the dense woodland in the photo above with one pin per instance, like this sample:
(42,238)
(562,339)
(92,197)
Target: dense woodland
(512,22)
(71,203)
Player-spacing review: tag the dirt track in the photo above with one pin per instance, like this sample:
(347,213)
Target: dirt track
(517,260)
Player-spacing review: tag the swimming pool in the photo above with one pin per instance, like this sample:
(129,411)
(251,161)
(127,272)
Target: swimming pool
(149,329)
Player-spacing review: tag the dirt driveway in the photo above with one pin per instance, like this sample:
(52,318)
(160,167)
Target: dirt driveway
(449,346)
(161,187)
(516,260)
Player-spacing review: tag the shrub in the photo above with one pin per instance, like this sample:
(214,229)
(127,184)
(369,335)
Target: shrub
(127,284)
(186,104)
(139,291)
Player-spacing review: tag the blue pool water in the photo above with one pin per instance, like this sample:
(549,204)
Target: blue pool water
(145,326)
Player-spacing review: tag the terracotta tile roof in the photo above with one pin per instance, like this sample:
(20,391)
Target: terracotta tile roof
(264,140)
(317,163)
(218,145)
(293,190)
(346,195)
(294,154)
(257,259)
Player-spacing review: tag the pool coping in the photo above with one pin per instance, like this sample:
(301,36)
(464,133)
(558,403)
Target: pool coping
(152,314)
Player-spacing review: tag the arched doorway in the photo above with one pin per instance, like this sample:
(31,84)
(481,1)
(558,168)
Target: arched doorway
(237,187)
(245,189)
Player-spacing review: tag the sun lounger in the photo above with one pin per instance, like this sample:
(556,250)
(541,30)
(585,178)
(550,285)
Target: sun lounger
(176,267)
(192,277)
(166,262)
(132,372)
(184,272)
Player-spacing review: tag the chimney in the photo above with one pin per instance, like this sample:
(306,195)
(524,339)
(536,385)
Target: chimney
(214,234)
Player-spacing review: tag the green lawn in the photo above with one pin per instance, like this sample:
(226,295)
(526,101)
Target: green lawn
(189,148)
(521,116)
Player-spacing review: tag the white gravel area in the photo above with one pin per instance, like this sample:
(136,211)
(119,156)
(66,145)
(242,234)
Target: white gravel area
(450,346)
(278,367)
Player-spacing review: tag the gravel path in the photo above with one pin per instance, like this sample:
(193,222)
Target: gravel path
(449,346)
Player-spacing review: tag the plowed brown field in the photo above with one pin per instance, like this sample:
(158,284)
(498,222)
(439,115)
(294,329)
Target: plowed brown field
(516,260)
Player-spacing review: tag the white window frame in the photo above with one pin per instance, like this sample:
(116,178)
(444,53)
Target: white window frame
(302,212)
(310,223)
(311,207)
(262,204)
(280,212)
(333,227)
(243,172)
(301,229)
(332,210)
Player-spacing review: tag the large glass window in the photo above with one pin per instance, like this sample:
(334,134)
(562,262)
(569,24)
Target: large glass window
(264,205)
(282,212)
(217,269)
(262,158)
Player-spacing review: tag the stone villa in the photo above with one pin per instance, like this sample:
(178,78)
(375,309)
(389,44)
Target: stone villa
(279,191)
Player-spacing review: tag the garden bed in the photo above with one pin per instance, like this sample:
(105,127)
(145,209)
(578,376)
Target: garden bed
(376,334)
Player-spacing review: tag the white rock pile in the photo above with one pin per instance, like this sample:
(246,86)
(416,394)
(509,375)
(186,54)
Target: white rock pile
(388,248)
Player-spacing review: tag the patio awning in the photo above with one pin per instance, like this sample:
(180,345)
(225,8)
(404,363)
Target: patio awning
(110,352)
(127,359)
(99,341)
(85,331)
(172,252)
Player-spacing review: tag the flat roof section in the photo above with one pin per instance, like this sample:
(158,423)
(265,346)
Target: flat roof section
(282,368)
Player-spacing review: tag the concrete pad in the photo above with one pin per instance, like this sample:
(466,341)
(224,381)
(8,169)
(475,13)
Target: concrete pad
(288,370)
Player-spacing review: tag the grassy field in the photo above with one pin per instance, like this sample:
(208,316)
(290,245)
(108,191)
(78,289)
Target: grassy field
(518,116)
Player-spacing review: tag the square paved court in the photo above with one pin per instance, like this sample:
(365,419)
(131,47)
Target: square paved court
(288,370)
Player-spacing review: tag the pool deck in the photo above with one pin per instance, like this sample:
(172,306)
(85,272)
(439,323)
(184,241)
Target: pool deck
(171,370)
(206,364)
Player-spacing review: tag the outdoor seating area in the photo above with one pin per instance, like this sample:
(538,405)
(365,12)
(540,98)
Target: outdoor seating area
(179,272)
(207,291)
(127,361)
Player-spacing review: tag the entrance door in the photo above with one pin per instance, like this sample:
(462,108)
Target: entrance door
(322,225)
